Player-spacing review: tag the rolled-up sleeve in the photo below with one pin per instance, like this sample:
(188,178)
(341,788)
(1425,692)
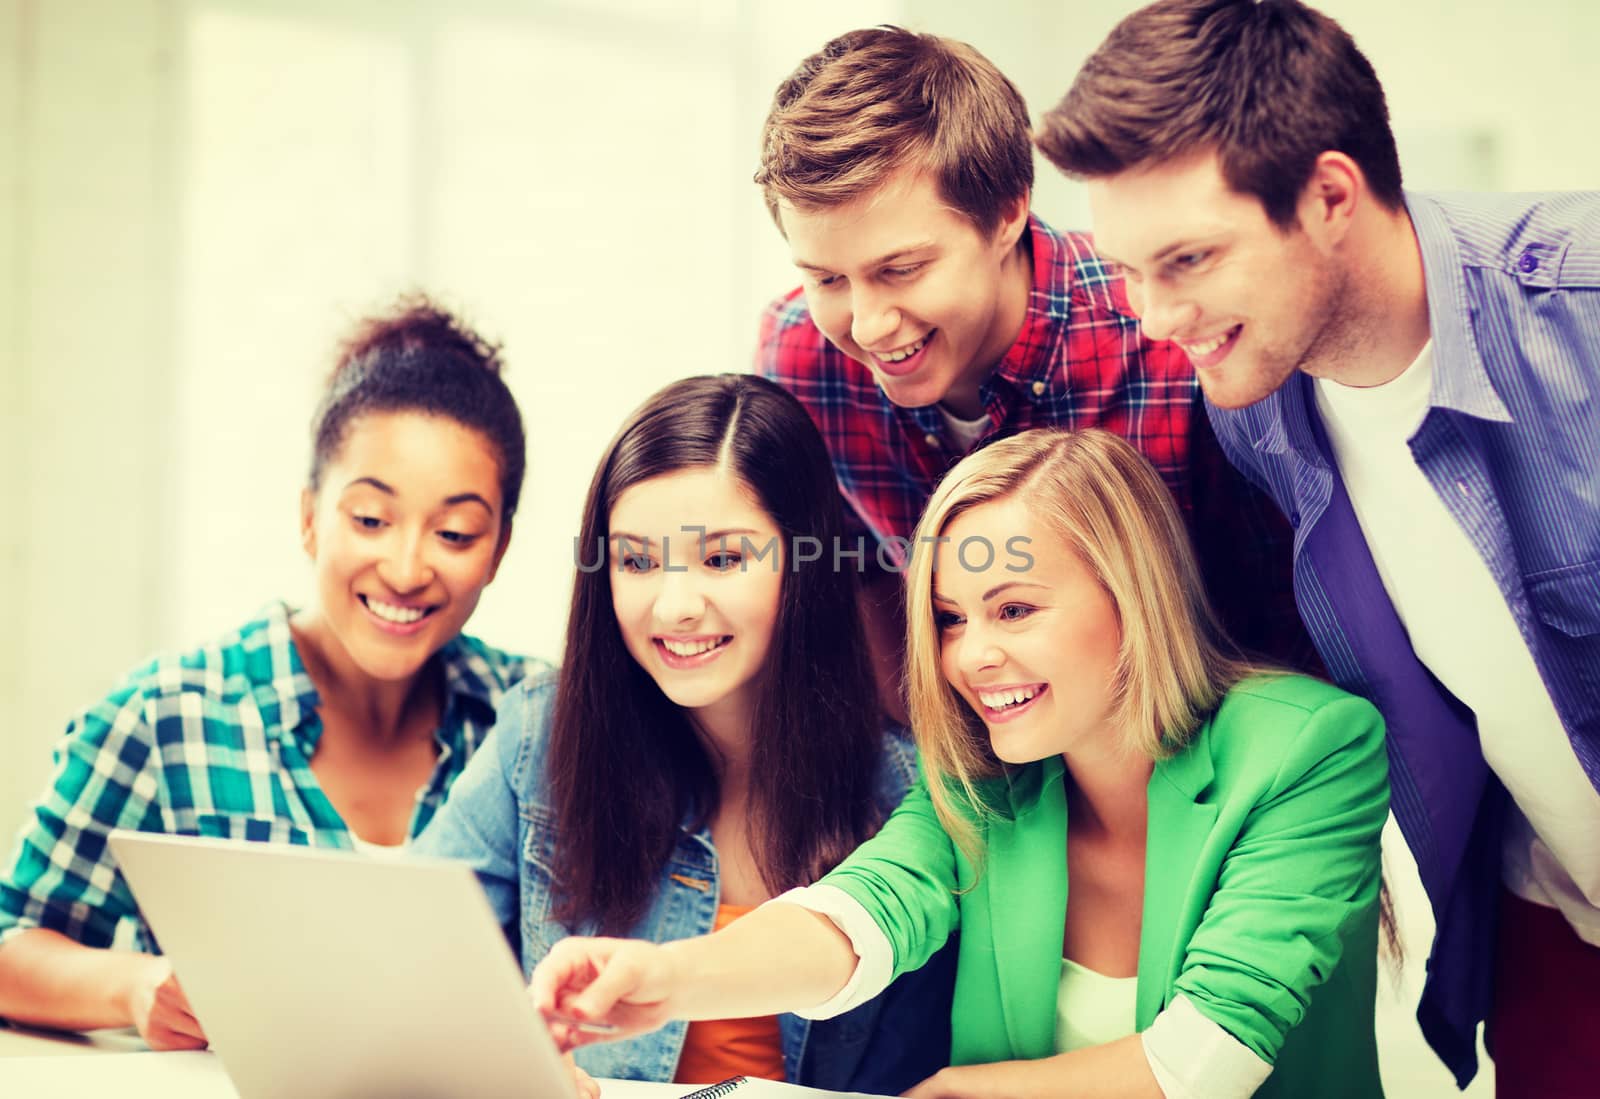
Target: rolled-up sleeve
(1303,869)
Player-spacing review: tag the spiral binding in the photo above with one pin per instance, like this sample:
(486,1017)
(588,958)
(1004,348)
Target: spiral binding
(717,1091)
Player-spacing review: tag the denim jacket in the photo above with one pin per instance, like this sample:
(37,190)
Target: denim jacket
(498,819)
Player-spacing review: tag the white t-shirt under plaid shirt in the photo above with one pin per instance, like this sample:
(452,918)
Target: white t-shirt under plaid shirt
(213,742)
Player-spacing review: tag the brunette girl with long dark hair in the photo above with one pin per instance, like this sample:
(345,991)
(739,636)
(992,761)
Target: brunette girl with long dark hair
(713,738)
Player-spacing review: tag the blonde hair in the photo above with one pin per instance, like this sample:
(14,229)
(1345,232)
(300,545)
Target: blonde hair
(874,100)
(1110,507)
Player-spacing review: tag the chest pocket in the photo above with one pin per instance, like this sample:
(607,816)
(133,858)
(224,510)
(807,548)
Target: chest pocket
(1568,599)
(243,826)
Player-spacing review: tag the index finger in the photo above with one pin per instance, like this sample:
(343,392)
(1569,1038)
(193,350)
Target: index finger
(569,966)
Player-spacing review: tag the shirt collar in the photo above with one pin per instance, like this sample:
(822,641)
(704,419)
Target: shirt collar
(1460,379)
(470,680)
(1031,356)
(279,681)
(282,683)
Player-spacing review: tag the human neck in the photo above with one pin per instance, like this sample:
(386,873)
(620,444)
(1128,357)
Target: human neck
(1011,309)
(1390,302)
(382,710)
(1109,791)
(724,728)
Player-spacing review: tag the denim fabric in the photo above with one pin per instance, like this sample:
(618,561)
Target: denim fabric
(498,820)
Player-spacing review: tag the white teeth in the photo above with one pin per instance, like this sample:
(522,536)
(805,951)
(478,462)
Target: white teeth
(999,700)
(1203,349)
(691,648)
(390,613)
(906,352)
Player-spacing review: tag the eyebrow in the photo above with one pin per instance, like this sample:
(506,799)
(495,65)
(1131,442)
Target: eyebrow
(1183,245)
(708,537)
(449,501)
(992,592)
(882,261)
(1009,584)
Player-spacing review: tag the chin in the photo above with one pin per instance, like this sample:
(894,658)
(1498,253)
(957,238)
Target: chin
(927,385)
(391,666)
(1228,394)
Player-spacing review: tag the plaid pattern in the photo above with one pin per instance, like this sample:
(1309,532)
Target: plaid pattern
(215,742)
(1080,360)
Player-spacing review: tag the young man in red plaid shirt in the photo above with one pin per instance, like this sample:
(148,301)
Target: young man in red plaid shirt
(937,314)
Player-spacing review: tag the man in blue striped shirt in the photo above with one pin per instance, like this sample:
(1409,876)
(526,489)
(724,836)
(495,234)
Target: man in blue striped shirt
(1416,381)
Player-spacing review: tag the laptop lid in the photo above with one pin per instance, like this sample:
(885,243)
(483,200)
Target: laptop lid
(332,975)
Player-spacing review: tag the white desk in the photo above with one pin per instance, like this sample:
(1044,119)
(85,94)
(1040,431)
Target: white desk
(116,1064)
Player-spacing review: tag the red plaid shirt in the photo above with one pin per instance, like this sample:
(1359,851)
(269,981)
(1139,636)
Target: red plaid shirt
(1079,361)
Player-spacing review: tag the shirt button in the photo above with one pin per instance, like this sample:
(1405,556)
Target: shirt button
(1529,263)
(1038,389)
(1294,519)
(931,439)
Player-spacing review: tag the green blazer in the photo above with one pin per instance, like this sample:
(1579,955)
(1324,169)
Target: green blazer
(1261,891)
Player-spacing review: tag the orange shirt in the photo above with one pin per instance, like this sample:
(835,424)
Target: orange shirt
(716,1049)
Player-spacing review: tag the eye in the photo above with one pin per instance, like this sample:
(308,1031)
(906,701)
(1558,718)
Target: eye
(458,538)
(827,281)
(1190,260)
(903,272)
(368,522)
(724,561)
(946,620)
(1014,612)
(632,560)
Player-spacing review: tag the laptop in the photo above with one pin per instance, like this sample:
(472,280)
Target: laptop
(335,975)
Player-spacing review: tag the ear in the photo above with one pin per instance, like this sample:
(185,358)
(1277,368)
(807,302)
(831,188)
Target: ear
(1013,221)
(1329,201)
(308,522)
(500,550)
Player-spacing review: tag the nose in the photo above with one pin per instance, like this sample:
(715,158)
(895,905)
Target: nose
(977,651)
(680,599)
(404,566)
(873,316)
(1163,313)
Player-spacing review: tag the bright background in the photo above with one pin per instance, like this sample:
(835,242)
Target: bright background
(197,196)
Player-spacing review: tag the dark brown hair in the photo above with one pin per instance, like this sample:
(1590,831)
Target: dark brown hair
(874,100)
(417,357)
(1270,85)
(625,767)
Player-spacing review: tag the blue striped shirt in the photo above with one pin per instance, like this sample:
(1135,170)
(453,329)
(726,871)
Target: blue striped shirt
(1511,444)
(213,742)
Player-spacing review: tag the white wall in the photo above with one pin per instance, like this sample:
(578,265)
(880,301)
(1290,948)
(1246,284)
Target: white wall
(198,195)
(89,245)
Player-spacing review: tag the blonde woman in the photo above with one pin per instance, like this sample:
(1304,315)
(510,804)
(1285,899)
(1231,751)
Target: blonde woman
(1163,862)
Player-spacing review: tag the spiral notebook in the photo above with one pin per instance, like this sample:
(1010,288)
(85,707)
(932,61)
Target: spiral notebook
(749,1087)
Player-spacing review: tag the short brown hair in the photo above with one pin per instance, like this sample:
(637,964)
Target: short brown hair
(1270,85)
(874,100)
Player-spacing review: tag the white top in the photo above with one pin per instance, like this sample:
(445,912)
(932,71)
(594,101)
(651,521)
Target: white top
(966,433)
(381,850)
(1093,1009)
(1463,630)
(1190,1056)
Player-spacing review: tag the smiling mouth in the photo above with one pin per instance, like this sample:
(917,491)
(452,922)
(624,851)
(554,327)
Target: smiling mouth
(394,613)
(1002,705)
(907,351)
(903,360)
(1209,352)
(681,653)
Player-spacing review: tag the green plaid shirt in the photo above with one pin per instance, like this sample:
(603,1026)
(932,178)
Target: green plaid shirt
(215,742)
